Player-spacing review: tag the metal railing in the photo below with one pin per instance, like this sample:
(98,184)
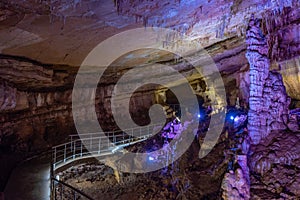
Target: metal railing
(64,191)
(97,144)
(91,145)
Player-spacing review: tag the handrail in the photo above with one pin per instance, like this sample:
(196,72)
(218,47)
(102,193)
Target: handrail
(75,192)
(95,144)
(83,135)
(63,154)
(76,149)
(173,106)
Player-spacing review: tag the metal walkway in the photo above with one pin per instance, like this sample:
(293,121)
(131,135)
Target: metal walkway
(92,145)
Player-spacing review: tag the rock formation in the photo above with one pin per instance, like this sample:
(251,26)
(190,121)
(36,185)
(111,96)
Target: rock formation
(274,166)
(268,101)
(235,186)
(268,115)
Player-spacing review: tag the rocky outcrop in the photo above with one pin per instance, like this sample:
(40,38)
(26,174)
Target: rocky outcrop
(273,148)
(235,186)
(8,96)
(274,166)
(282,28)
(35,105)
(294,120)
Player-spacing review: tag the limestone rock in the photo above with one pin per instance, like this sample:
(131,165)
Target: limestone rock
(235,186)
(268,101)
(282,150)
(274,166)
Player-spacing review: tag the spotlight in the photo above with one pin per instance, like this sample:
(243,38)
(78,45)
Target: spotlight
(231,117)
(199,115)
(236,119)
(151,158)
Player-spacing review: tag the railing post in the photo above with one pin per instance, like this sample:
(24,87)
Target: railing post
(61,191)
(54,163)
(74,149)
(55,193)
(91,142)
(65,152)
(71,147)
(54,190)
(132,135)
(80,148)
(123,135)
(108,142)
(114,137)
(75,195)
(99,146)
(140,132)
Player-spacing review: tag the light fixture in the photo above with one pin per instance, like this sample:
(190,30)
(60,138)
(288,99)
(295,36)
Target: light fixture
(151,158)
(236,119)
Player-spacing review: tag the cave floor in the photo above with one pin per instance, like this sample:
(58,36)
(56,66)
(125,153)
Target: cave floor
(30,180)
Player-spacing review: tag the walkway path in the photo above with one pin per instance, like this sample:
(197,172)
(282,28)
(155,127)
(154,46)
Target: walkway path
(30,181)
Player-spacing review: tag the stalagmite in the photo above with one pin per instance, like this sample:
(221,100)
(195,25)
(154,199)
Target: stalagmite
(268,101)
(259,68)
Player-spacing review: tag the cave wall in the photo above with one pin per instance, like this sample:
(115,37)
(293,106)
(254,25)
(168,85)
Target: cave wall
(36,104)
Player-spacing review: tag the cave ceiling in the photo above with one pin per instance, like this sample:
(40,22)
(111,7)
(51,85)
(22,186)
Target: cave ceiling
(62,33)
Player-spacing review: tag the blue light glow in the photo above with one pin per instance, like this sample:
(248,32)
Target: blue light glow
(151,158)
(199,115)
(231,117)
(172,13)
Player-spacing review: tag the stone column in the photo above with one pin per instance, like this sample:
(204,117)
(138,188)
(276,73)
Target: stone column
(268,101)
(259,68)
